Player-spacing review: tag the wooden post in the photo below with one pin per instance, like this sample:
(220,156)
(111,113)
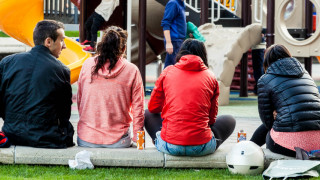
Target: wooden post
(244,61)
(142,39)
(270,22)
(308,20)
(204,11)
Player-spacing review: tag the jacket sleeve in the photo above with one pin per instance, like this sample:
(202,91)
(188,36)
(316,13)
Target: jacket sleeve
(214,104)
(157,98)
(137,105)
(170,13)
(65,98)
(265,105)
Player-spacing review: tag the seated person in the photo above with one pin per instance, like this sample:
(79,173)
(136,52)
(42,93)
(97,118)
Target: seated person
(186,94)
(289,105)
(110,95)
(35,92)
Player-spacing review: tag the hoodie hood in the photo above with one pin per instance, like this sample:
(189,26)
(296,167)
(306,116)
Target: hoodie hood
(115,71)
(289,67)
(191,63)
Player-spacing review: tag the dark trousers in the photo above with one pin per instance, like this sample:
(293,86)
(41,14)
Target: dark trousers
(171,58)
(92,26)
(222,128)
(257,65)
(262,136)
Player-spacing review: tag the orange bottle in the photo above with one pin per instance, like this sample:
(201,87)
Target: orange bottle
(242,136)
(140,140)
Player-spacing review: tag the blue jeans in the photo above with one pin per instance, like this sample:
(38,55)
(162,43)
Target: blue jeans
(179,150)
(171,58)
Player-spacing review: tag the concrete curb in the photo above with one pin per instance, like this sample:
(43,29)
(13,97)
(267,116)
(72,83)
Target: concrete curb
(126,157)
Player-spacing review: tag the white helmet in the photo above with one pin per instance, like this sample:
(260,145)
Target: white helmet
(245,158)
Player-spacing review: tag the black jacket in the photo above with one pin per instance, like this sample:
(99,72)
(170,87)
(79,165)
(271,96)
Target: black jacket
(36,98)
(288,88)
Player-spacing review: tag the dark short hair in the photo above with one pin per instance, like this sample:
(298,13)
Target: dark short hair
(194,47)
(45,29)
(274,53)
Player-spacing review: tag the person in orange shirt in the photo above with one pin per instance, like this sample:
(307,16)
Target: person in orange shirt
(110,95)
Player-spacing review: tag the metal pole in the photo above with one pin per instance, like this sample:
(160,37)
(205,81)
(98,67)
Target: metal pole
(204,11)
(129,20)
(308,20)
(270,22)
(244,61)
(142,39)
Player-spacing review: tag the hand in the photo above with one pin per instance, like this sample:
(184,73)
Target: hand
(191,35)
(274,114)
(169,48)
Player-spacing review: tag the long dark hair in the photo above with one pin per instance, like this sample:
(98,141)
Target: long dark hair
(110,48)
(274,53)
(194,47)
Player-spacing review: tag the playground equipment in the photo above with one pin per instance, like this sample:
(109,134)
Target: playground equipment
(304,48)
(18,19)
(225,45)
(222,63)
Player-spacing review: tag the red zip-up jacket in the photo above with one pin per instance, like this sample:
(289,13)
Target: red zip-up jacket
(186,94)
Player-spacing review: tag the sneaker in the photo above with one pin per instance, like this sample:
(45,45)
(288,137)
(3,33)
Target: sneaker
(86,42)
(89,49)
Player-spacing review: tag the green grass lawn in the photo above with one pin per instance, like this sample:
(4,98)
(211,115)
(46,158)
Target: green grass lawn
(64,172)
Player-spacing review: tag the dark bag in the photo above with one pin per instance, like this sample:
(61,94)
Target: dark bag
(307,155)
(4,141)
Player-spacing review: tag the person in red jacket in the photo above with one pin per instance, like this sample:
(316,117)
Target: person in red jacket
(186,94)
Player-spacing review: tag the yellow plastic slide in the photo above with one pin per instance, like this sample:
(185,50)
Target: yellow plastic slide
(18,19)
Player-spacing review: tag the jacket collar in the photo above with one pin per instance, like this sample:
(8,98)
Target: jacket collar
(41,48)
(191,63)
(289,67)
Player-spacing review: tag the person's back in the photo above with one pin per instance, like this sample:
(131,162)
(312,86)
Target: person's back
(288,103)
(295,96)
(110,95)
(186,95)
(36,95)
(189,90)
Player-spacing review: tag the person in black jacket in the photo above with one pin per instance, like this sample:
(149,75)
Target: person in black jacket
(288,103)
(35,92)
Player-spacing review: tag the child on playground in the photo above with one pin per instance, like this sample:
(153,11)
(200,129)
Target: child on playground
(101,14)
(186,94)
(289,105)
(110,95)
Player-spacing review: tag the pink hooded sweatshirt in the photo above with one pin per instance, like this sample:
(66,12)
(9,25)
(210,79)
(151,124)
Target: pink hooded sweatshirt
(109,103)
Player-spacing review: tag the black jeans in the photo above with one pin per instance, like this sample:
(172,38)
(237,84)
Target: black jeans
(92,26)
(222,128)
(257,65)
(262,136)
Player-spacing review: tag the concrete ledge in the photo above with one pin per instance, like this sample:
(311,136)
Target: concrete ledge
(7,155)
(124,157)
(215,160)
(270,156)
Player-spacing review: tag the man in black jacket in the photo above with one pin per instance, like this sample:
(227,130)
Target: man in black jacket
(35,92)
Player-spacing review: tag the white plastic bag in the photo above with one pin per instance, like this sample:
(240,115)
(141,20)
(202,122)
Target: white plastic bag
(292,168)
(82,161)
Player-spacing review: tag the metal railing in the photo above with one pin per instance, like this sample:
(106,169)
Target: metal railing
(229,5)
(60,9)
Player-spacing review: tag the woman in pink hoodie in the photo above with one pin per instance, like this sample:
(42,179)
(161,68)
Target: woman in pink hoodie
(110,95)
